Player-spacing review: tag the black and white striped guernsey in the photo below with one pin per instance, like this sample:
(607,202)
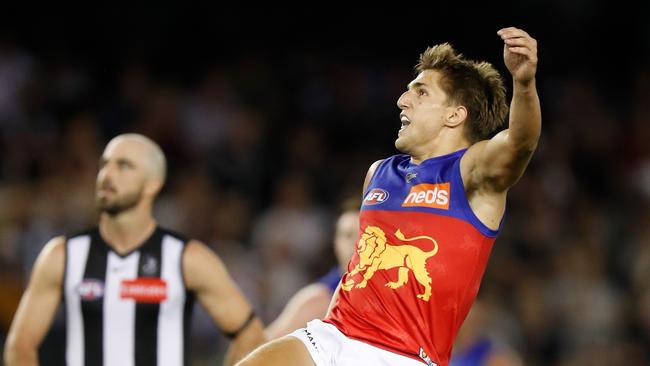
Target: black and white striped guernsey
(126,310)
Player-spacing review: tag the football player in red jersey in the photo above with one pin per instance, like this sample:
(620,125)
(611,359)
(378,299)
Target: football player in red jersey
(424,244)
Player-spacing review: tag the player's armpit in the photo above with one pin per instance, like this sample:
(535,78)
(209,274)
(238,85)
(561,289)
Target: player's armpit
(37,306)
(206,275)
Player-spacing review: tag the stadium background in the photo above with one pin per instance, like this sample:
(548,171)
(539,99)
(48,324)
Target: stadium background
(268,120)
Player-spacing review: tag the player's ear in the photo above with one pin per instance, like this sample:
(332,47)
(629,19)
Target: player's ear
(153,187)
(455,116)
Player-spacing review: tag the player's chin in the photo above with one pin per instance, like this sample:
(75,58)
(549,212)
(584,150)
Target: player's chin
(401,144)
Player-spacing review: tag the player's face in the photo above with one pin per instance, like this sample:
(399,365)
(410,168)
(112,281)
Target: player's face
(424,111)
(121,177)
(347,234)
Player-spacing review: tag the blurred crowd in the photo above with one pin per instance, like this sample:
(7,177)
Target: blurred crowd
(261,152)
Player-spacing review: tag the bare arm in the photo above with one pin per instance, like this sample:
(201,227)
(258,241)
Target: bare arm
(311,302)
(37,306)
(207,276)
(497,164)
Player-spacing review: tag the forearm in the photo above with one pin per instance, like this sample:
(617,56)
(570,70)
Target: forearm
(20,355)
(525,117)
(237,351)
(244,343)
(232,355)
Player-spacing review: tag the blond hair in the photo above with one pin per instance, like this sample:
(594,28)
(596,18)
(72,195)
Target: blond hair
(475,85)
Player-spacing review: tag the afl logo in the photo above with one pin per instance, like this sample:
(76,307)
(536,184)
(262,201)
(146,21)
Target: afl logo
(376,196)
(91,289)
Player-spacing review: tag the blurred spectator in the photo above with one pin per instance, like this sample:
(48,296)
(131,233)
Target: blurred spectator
(290,235)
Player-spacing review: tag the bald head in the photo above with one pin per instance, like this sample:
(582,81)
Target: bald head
(131,174)
(144,150)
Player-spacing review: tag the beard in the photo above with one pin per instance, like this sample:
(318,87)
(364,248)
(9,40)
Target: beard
(117,205)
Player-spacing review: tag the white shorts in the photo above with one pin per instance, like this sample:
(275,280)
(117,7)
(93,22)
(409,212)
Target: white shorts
(329,347)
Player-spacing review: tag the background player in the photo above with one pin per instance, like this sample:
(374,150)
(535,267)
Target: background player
(312,301)
(128,285)
(476,346)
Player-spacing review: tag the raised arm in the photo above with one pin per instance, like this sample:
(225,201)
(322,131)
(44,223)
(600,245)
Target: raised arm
(495,165)
(37,306)
(206,275)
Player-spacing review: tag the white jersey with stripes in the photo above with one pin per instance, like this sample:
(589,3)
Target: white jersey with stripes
(126,310)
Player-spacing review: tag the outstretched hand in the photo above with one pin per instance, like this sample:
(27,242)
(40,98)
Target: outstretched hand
(519,54)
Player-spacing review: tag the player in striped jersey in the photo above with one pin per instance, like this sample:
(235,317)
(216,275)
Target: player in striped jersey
(128,285)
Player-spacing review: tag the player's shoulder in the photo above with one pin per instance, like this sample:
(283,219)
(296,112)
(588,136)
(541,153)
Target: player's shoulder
(374,165)
(196,247)
(197,252)
(201,265)
(55,246)
(393,158)
(50,263)
(476,149)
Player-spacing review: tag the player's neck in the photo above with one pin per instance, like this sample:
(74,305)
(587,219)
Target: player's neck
(127,230)
(442,145)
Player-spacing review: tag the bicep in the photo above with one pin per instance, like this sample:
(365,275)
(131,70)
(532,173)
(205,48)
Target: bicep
(495,164)
(207,277)
(42,296)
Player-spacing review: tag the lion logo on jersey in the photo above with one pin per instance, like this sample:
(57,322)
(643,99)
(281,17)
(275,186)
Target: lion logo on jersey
(376,253)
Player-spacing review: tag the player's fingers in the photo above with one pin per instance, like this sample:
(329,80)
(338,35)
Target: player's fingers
(512,32)
(523,51)
(521,42)
(519,34)
(516,40)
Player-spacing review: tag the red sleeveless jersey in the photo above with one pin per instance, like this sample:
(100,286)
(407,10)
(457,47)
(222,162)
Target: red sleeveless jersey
(420,258)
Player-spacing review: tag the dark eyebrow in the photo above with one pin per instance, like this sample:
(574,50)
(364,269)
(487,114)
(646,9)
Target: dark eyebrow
(417,85)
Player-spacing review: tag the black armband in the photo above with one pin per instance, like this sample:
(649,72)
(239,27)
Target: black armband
(234,334)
